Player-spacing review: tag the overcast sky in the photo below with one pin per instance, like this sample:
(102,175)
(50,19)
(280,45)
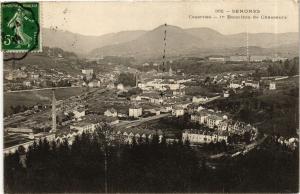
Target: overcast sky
(97,18)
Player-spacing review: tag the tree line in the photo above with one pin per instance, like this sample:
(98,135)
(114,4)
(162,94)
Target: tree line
(143,166)
(284,68)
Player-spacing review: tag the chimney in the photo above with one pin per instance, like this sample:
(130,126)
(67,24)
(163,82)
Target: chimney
(53,112)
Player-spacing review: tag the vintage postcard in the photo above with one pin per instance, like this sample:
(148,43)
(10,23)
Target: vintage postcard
(150,96)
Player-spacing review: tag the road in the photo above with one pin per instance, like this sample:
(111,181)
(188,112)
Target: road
(211,99)
(243,151)
(128,124)
(39,89)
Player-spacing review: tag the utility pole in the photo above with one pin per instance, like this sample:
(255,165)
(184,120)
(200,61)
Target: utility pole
(165,45)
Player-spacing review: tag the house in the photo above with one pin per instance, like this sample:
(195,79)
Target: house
(200,99)
(111,112)
(120,87)
(239,126)
(154,98)
(127,135)
(177,111)
(94,84)
(173,86)
(251,83)
(135,111)
(26,83)
(191,108)
(135,98)
(79,113)
(213,121)
(155,111)
(226,125)
(272,86)
(195,117)
(203,115)
(166,108)
(293,143)
(83,127)
(179,92)
(200,108)
(235,84)
(226,94)
(274,59)
(110,86)
(34,76)
(142,86)
(223,126)
(195,136)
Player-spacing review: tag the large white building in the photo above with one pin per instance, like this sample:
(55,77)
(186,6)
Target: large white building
(83,127)
(217,59)
(87,71)
(258,58)
(253,84)
(274,59)
(195,136)
(135,111)
(235,84)
(213,121)
(201,116)
(200,99)
(127,135)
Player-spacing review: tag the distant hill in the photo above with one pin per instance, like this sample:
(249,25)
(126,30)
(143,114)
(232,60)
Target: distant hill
(264,40)
(82,44)
(202,42)
(151,44)
(187,42)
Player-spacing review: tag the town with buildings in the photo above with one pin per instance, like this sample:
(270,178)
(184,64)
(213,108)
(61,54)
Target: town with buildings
(154,95)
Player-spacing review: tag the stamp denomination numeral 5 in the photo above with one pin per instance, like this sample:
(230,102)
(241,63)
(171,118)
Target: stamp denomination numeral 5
(7,40)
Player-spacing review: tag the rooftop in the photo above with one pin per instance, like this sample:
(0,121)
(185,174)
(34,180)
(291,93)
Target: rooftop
(206,132)
(138,130)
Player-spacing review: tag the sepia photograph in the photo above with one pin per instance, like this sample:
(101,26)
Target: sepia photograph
(150,96)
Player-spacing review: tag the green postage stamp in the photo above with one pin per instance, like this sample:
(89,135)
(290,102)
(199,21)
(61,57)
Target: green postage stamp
(20,27)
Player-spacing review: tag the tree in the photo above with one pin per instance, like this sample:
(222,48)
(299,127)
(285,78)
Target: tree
(127,79)
(247,137)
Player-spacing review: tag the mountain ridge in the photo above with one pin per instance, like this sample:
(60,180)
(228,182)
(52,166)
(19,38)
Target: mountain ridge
(180,41)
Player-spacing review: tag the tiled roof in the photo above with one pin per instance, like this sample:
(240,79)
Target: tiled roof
(140,131)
